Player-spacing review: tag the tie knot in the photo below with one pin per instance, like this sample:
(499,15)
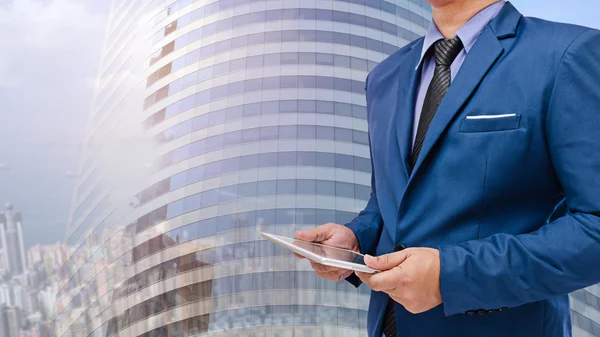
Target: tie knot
(447,50)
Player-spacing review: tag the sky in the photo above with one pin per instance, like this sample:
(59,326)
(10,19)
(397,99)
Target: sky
(50,58)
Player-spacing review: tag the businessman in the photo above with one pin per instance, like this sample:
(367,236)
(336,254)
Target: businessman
(485,204)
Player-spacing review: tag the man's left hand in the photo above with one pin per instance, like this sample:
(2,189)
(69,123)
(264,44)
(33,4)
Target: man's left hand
(411,277)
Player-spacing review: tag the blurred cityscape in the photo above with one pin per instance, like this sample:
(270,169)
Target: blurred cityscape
(29,280)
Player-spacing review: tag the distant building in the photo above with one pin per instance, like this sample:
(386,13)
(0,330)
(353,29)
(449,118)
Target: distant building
(3,266)
(5,295)
(47,302)
(12,240)
(13,321)
(33,332)
(3,323)
(50,257)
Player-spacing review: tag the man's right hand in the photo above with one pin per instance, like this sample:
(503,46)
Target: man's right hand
(331,235)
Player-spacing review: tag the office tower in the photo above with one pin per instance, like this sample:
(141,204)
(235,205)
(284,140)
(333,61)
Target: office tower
(3,322)
(12,240)
(214,121)
(12,318)
(585,312)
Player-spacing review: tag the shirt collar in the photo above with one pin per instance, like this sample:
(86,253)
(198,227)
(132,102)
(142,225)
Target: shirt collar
(468,33)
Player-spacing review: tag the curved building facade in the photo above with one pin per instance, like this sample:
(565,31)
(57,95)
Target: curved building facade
(585,312)
(214,121)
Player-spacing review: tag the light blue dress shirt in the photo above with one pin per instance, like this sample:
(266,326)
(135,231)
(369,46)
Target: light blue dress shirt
(468,34)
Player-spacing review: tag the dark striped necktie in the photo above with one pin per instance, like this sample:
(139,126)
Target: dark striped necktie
(445,53)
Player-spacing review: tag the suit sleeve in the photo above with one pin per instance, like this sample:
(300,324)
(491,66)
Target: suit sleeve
(367,225)
(563,255)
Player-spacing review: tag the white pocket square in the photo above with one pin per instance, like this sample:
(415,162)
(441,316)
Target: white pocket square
(491,116)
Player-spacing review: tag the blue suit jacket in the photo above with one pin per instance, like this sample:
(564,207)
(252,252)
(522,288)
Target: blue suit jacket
(512,203)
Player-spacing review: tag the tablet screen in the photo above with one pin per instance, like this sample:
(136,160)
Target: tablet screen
(327,251)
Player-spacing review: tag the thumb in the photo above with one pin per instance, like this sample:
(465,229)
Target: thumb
(317,234)
(387,261)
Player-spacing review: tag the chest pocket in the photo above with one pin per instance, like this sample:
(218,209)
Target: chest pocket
(490,123)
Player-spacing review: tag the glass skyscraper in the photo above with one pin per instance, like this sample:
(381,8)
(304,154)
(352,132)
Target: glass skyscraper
(214,121)
(585,312)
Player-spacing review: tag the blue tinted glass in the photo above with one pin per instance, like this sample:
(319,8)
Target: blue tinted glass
(306,158)
(344,189)
(244,250)
(325,106)
(189,232)
(326,315)
(262,281)
(307,132)
(362,192)
(284,280)
(267,159)
(174,209)
(209,198)
(287,106)
(325,216)
(289,58)
(265,217)
(324,82)
(267,188)
(288,132)
(305,314)
(286,158)
(235,112)
(207,227)
(307,106)
(269,107)
(325,187)
(325,132)
(237,64)
(344,161)
(228,193)
(343,109)
(287,82)
(249,162)
(325,159)
(192,202)
(286,187)
(306,187)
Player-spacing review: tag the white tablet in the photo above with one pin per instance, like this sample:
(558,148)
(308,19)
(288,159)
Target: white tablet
(326,255)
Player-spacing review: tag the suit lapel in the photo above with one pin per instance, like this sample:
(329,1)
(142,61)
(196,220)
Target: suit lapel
(480,59)
(408,84)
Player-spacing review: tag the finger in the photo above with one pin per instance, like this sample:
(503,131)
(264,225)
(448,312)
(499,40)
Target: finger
(319,268)
(330,276)
(317,234)
(336,276)
(385,281)
(387,261)
(346,275)
(299,256)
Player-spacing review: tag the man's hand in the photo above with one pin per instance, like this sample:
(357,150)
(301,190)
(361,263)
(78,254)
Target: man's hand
(411,277)
(331,235)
